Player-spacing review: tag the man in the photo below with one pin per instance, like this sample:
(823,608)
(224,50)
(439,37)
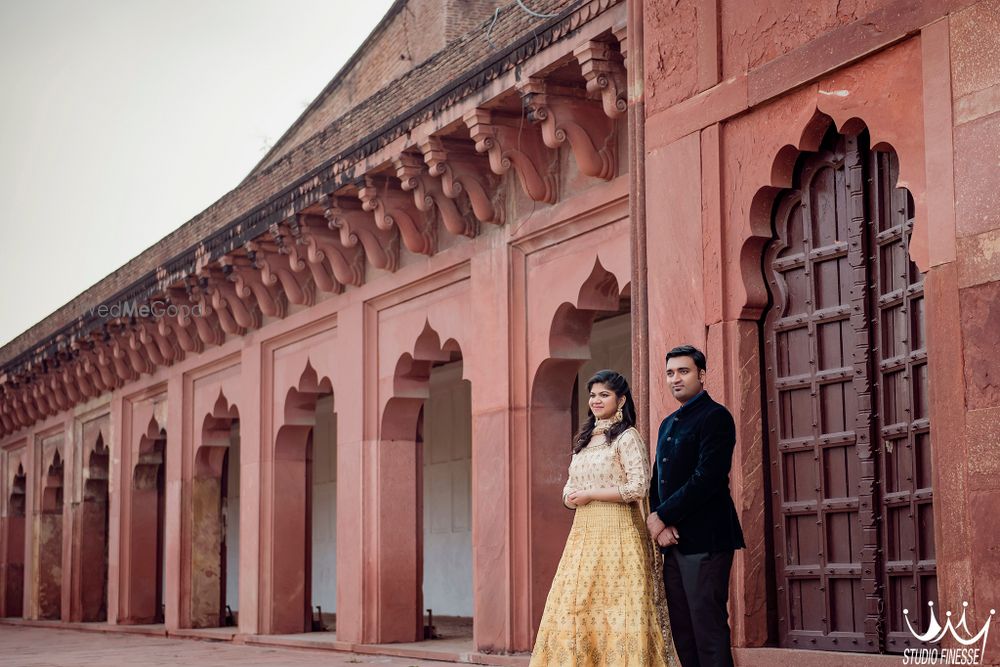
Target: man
(694,520)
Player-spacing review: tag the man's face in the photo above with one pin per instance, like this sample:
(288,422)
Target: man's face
(684,378)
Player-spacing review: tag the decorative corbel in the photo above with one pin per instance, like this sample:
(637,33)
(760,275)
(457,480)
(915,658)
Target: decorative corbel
(296,247)
(566,115)
(514,143)
(76,385)
(322,244)
(171,329)
(152,354)
(29,413)
(56,397)
(133,351)
(247,282)
(347,217)
(215,288)
(206,322)
(462,171)
(63,385)
(394,209)
(428,194)
(105,369)
(82,371)
(604,70)
(56,403)
(275,272)
(152,339)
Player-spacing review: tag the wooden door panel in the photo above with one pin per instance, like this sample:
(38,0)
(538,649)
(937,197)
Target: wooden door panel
(909,569)
(847,405)
(812,353)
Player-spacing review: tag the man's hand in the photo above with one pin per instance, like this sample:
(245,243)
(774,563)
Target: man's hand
(579,498)
(668,537)
(655,525)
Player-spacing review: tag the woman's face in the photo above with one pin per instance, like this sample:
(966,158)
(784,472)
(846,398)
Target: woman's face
(603,401)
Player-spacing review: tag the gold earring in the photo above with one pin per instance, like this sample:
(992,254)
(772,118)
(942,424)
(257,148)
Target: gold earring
(618,416)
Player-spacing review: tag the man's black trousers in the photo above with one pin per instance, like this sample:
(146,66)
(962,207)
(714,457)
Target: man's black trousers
(697,587)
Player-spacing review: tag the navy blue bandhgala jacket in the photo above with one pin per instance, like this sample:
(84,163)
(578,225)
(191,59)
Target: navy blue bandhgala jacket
(690,485)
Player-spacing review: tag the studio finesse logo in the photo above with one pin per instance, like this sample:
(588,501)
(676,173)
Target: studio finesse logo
(968,653)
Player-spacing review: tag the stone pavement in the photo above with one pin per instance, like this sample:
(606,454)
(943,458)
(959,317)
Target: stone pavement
(43,647)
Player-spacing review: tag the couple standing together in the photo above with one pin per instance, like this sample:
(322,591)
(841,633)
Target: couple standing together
(607,604)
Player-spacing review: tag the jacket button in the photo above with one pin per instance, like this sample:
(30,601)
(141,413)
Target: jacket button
(664,459)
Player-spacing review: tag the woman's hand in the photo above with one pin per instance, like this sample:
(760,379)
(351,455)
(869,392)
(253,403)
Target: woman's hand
(579,498)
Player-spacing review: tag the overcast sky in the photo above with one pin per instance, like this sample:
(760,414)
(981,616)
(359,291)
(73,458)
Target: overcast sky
(122,119)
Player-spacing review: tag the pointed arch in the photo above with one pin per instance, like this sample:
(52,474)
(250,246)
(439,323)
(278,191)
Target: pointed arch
(146,530)
(287,588)
(12,585)
(401,464)
(210,493)
(553,417)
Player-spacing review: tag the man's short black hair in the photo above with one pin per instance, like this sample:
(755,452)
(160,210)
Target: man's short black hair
(688,351)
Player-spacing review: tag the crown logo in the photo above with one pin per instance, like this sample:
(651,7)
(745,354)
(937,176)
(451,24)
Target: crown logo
(936,632)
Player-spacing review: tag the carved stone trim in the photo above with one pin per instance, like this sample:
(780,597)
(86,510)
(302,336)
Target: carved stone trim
(604,70)
(394,208)
(355,226)
(567,116)
(428,194)
(464,174)
(515,145)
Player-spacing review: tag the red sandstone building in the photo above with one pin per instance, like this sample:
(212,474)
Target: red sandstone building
(357,381)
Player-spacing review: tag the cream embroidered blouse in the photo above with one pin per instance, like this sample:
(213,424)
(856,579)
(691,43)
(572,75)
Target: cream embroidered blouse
(623,464)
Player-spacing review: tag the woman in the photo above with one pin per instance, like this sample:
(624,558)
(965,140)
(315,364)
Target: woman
(606,606)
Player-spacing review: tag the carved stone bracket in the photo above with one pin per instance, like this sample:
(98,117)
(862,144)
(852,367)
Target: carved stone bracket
(206,322)
(604,70)
(146,347)
(171,327)
(324,245)
(464,172)
(394,208)
(428,194)
(276,271)
(115,354)
(514,143)
(347,217)
(566,115)
(248,283)
(208,294)
(166,344)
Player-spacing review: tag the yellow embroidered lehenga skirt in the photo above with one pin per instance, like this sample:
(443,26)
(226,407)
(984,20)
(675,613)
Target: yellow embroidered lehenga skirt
(606,604)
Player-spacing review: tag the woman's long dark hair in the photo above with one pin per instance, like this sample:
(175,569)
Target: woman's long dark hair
(618,384)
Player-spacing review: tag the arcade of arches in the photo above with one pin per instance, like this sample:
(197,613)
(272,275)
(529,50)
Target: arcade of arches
(365,429)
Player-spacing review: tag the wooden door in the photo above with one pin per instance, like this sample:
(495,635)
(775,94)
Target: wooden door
(839,500)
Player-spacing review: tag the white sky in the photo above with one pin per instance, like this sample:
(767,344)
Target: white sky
(122,119)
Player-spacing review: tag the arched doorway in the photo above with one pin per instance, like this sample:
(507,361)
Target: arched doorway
(847,411)
(49,542)
(146,532)
(445,436)
(425,471)
(590,334)
(14,560)
(304,565)
(94,535)
(215,493)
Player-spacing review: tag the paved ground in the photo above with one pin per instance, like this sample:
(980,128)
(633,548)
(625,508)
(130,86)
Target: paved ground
(44,647)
